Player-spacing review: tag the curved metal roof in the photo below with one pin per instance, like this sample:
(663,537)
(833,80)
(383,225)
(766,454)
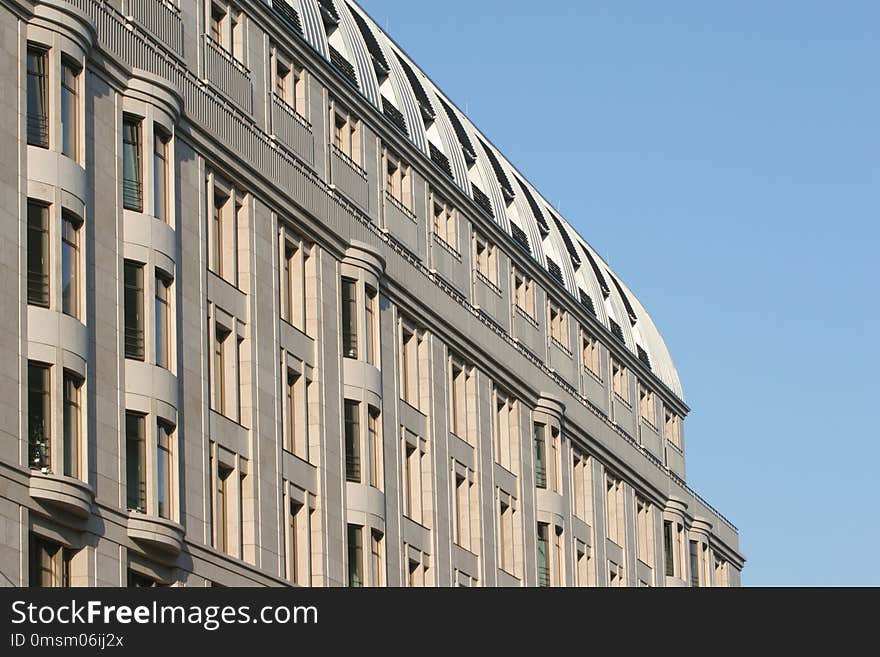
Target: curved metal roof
(473,161)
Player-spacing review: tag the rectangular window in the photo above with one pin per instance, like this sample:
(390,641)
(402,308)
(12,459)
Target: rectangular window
(349,318)
(582,480)
(445,224)
(347,135)
(293,543)
(668,549)
(582,565)
(136,462)
(410,343)
(132,169)
(378,562)
(220,359)
(289,82)
(505,535)
(620,380)
(163,321)
(646,405)
(460,383)
(292,437)
(38,254)
(134,310)
(485,260)
(672,428)
(505,428)
(69,108)
(225,210)
(462,508)
(72,424)
(543,555)
(49,563)
(164,469)
(412,473)
(397,180)
(695,563)
(540,457)
(614,519)
(37,97)
(39,415)
(370,319)
(591,354)
(355,556)
(524,294)
(160,175)
(558,324)
(224,512)
(352,442)
(70,263)
(645,531)
(376,451)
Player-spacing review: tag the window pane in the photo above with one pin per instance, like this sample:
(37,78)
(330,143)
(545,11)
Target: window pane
(71,426)
(39,418)
(134,309)
(69,110)
(163,470)
(352,442)
(349,319)
(70,265)
(132,190)
(135,462)
(38,254)
(355,556)
(160,177)
(162,322)
(37,98)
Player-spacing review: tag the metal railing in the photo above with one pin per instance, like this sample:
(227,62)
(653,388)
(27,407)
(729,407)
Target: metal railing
(38,288)
(133,195)
(227,73)
(38,130)
(162,19)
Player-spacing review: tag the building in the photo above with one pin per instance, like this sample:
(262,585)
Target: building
(275,312)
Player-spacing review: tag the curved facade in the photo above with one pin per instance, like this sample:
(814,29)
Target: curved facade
(276,312)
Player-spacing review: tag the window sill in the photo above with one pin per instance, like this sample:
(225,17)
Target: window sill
(556,343)
(622,400)
(525,315)
(488,282)
(401,207)
(595,376)
(446,246)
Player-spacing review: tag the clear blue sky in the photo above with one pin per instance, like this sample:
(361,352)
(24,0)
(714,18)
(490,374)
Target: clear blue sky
(725,158)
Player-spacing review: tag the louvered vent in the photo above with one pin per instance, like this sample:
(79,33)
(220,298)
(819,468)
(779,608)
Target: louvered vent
(418,89)
(598,273)
(536,209)
(288,15)
(633,318)
(393,114)
(555,270)
(378,57)
(587,302)
(643,356)
(438,158)
(467,146)
(329,11)
(482,200)
(520,237)
(343,65)
(569,245)
(616,330)
(499,172)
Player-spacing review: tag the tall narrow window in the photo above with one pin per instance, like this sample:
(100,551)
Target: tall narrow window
(37,97)
(370,325)
(540,457)
(223,513)
(459,403)
(163,321)
(38,254)
(355,556)
(668,549)
(620,380)
(347,135)
(524,294)
(505,428)
(445,224)
(614,521)
(292,433)
(644,531)
(484,259)
(135,462)
(71,424)
(164,469)
(505,534)
(543,555)
(49,563)
(69,108)
(223,220)
(409,365)
(134,310)
(132,169)
(349,318)
(221,336)
(376,558)
(352,442)
(397,183)
(672,428)
(646,405)
(160,175)
(591,354)
(70,264)
(292,284)
(375,448)
(694,562)
(39,415)
(293,544)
